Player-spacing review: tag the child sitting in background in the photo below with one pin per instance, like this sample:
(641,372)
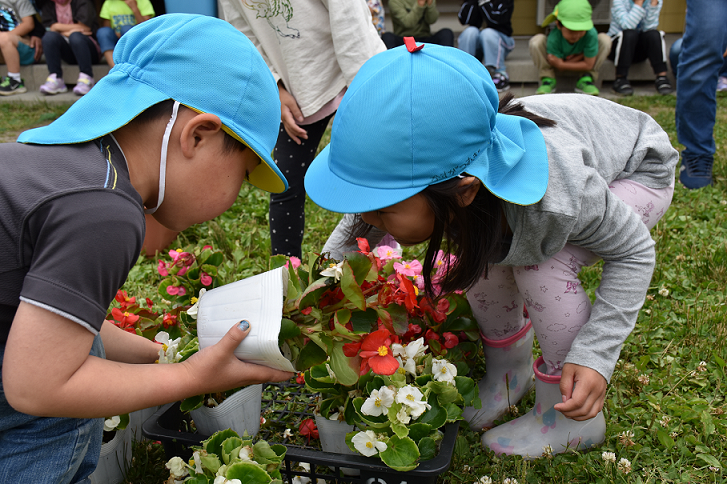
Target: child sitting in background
(574,45)
(493,43)
(635,39)
(118,17)
(16,24)
(71,28)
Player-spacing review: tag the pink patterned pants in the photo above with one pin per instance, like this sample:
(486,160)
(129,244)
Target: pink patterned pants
(551,291)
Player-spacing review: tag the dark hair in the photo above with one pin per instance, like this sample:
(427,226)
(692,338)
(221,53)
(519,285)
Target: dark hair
(163,109)
(473,234)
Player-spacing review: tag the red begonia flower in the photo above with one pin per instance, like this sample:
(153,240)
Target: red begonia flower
(125,318)
(450,340)
(124,300)
(376,349)
(205,279)
(308,429)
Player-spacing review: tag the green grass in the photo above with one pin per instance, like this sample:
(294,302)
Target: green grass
(675,408)
(17,116)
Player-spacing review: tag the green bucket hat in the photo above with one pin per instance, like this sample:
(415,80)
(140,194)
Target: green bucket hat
(573,14)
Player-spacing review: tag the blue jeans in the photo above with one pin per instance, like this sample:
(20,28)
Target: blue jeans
(704,42)
(488,45)
(676,49)
(43,449)
(107,39)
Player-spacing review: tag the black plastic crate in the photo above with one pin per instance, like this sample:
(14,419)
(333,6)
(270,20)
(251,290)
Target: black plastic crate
(285,405)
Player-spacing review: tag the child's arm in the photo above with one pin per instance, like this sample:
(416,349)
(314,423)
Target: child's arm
(47,370)
(135,10)
(408,19)
(575,62)
(25,27)
(68,29)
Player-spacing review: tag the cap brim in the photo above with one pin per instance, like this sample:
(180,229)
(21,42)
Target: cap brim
(577,26)
(93,116)
(333,193)
(549,19)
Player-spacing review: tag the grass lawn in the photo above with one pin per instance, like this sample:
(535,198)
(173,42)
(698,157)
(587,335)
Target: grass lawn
(665,407)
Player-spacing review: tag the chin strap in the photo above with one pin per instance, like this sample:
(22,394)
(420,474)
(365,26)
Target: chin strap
(163,161)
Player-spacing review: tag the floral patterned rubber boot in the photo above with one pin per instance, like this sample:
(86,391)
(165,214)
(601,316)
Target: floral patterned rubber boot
(509,377)
(544,430)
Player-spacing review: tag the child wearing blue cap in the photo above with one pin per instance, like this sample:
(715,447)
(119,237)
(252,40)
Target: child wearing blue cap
(524,194)
(74,194)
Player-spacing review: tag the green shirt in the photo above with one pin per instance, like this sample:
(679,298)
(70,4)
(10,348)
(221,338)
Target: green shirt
(561,48)
(411,20)
(121,14)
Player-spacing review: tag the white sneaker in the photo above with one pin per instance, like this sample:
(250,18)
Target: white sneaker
(53,85)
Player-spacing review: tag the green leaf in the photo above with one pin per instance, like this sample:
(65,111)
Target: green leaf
(230,449)
(343,316)
(665,438)
(711,460)
(401,454)
(400,430)
(350,287)
(399,318)
(446,393)
(454,412)
(707,422)
(363,321)
(215,259)
(427,448)
(346,369)
(264,454)
(467,388)
(310,355)
(418,431)
(276,261)
(459,324)
(213,445)
(198,479)
(211,462)
(360,264)
(313,292)
(191,403)
(247,472)
(435,416)
(288,329)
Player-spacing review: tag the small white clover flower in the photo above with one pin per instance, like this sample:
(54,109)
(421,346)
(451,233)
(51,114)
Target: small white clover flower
(608,457)
(702,366)
(624,465)
(665,420)
(484,480)
(626,437)
(664,292)
(509,480)
(547,451)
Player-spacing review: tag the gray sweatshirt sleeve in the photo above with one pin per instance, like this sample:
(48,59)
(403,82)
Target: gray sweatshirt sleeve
(337,243)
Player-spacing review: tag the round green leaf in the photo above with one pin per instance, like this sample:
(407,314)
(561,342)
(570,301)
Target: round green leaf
(248,472)
(401,454)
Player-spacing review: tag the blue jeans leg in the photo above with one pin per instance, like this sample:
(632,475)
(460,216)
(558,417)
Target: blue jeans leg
(469,41)
(496,46)
(43,449)
(704,41)
(106,38)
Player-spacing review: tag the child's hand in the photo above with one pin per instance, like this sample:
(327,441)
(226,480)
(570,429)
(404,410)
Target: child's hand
(554,61)
(575,57)
(585,400)
(290,114)
(216,368)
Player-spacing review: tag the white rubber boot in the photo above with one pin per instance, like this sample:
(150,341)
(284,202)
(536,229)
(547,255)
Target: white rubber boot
(543,426)
(509,365)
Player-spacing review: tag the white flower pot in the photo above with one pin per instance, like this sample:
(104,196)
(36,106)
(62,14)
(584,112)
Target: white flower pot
(137,419)
(239,412)
(333,439)
(115,459)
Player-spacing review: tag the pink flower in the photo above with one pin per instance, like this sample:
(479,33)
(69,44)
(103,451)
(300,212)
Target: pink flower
(443,261)
(405,268)
(176,290)
(205,279)
(385,252)
(162,268)
(294,261)
(207,247)
(418,280)
(182,271)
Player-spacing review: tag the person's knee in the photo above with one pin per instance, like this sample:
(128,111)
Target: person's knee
(51,38)
(630,35)
(77,39)
(537,41)
(490,36)
(6,40)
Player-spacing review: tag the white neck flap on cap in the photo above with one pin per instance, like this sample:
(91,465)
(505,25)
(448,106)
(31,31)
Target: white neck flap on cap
(163,161)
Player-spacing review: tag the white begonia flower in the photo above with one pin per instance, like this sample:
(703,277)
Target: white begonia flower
(443,370)
(398,350)
(334,270)
(197,463)
(192,311)
(168,351)
(367,444)
(287,434)
(246,453)
(177,467)
(403,416)
(416,348)
(223,480)
(412,398)
(379,402)
(110,424)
